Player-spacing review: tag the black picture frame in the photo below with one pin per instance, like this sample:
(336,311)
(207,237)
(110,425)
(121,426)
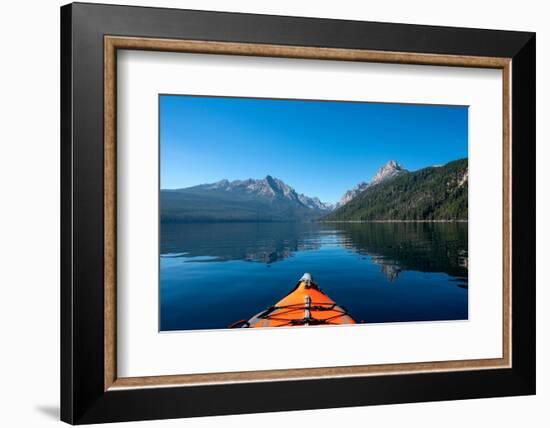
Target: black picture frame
(83,396)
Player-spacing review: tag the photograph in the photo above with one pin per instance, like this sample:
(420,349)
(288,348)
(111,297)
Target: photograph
(299,213)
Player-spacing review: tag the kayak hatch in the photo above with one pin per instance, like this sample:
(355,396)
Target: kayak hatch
(305,305)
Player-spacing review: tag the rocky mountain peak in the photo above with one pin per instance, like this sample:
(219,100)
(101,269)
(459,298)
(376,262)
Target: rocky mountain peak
(279,187)
(350,194)
(389,170)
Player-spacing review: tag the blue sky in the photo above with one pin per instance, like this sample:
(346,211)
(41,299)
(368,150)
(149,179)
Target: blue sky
(321,148)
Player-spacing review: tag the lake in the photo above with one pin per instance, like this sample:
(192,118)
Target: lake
(212,275)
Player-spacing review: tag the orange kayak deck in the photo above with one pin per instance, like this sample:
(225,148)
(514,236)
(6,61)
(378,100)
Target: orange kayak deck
(305,305)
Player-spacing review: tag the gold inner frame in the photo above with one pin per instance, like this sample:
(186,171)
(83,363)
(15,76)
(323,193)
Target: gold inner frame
(113,43)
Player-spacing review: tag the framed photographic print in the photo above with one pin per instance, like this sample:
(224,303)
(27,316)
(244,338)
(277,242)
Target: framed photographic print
(264,213)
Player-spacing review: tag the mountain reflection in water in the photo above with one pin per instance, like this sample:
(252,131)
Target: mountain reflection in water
(213,274)
(424,247)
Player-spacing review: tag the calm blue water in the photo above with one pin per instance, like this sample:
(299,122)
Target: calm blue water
(212,275)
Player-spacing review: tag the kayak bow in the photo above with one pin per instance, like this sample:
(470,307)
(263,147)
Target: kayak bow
(305,305)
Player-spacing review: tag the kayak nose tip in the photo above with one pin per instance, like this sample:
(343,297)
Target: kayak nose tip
(306,277)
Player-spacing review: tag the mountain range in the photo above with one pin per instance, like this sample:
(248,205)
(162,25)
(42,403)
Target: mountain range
(263,200)
(394,193)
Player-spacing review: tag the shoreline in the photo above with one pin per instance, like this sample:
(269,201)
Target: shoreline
(392,221)
(307,221)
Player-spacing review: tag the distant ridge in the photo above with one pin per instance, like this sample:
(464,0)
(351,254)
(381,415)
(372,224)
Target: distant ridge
(258,200)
